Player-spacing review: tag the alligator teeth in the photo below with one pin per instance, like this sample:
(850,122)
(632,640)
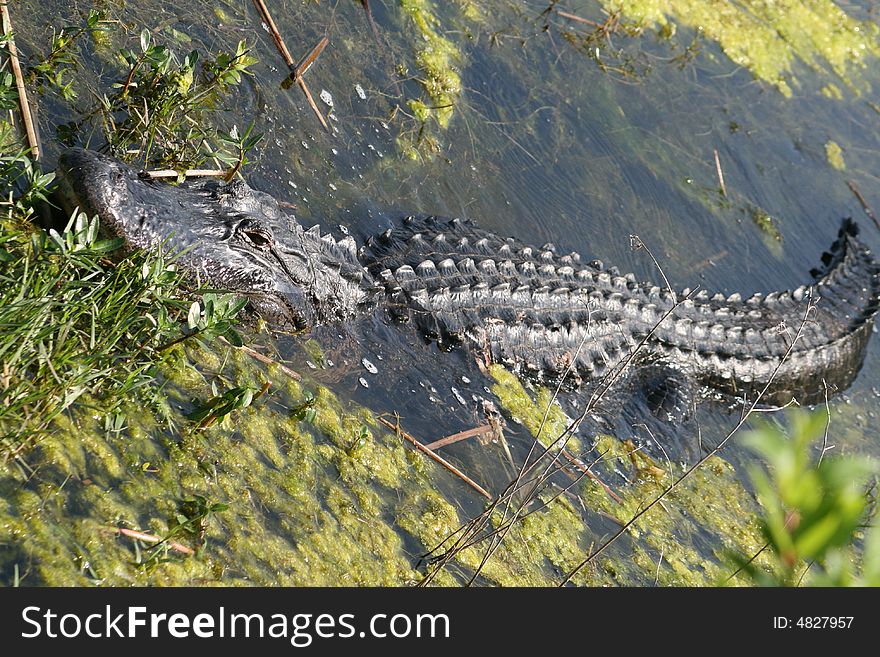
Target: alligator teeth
(798,294)
(597,264)
(719,298)
(736,297)
(314,231)
(547,270)
(546,256)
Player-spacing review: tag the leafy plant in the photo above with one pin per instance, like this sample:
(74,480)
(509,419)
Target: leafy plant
(811,510)
(222,405)
(53,69)
(156,114)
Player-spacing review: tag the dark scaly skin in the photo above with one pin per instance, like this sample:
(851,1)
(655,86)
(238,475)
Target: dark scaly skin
(533,309)
(550,314)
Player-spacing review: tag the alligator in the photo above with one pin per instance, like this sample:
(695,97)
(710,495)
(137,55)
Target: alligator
(546,314)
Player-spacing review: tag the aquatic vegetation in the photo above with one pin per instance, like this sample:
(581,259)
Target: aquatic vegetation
(834,155)
(55,68)
(262,479)
(438,60)
(768,38)
(542,416)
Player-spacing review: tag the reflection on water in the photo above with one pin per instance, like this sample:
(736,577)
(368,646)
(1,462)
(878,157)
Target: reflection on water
(551,138)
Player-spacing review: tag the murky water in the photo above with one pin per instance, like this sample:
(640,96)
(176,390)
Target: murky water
(546,144)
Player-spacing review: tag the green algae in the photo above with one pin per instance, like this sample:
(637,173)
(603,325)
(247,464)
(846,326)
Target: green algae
(541,415)
(438,60)
(834,155)
(702,522)
(768,37)
(291,515)
(832,91)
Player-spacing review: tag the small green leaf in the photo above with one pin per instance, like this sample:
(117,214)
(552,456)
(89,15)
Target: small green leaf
(195,313)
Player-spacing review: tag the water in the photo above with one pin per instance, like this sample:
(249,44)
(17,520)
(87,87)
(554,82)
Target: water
(543,144)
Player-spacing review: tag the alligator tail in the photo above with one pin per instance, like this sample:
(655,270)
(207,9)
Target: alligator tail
(803,343)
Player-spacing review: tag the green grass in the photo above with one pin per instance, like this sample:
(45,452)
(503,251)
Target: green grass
(79,317)
(73,321)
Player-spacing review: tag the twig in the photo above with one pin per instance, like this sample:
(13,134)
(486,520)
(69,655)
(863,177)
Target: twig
(149,538)
(719,172)
(285,54)
(187,173)
(461,435)
(446,464)
(576,462)
(306,62)
(825,446)
(573,17)
(865,206)
(26,117)
(256,355)
(635,244)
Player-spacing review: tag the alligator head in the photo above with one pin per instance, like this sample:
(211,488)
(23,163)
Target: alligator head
(225,236)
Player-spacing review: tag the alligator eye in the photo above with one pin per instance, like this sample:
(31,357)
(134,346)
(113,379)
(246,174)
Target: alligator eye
(258,239)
